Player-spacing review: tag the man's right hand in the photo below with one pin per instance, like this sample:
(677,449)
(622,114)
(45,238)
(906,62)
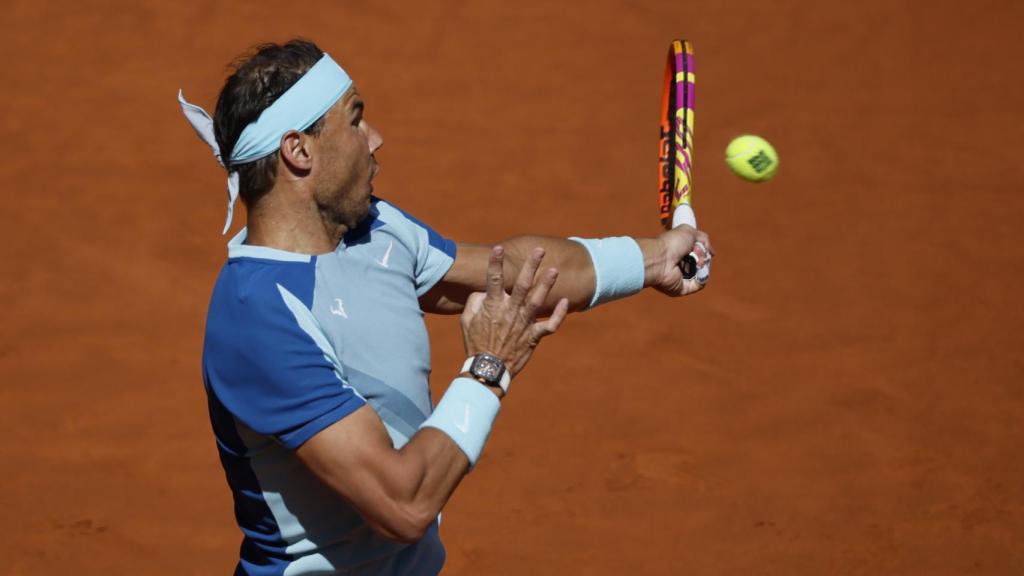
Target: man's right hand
(505,325)
(663,254)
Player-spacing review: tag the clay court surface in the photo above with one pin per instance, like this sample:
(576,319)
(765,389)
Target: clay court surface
(845,398)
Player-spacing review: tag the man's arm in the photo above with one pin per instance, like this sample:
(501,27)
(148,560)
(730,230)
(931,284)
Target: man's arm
(400,492)
(577,279)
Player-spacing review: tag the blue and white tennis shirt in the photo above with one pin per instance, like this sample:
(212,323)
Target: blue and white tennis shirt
(295,343)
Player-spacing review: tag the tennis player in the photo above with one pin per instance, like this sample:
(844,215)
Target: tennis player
(316,358)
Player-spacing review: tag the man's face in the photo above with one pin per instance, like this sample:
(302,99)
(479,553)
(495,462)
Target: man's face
(345,165)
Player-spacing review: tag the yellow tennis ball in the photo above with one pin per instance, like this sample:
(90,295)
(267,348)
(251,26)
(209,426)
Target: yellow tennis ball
(752,158)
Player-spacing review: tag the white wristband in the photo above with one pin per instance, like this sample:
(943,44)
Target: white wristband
(465,413)
(618,267)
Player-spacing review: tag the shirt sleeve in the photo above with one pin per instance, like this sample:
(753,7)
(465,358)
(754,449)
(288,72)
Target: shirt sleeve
(434,254)
(269,364)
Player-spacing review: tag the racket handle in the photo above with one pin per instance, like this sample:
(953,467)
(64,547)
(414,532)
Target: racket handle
(689,265)
(683,214)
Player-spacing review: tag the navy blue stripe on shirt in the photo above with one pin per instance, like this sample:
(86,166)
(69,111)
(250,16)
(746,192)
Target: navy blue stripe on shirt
(263,366)
(251,510)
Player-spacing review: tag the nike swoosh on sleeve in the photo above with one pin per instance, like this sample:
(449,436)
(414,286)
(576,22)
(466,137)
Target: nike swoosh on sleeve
(387,255)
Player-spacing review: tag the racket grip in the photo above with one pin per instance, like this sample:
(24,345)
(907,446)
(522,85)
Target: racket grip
(689,265)
(683,214)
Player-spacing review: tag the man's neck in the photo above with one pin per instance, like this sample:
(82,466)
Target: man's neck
(299,228)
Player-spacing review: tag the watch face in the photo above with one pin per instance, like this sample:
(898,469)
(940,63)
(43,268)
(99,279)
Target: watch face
(487,367)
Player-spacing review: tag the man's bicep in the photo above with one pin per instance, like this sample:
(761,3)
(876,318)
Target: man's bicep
(466,275)
(350,456)
(355,458)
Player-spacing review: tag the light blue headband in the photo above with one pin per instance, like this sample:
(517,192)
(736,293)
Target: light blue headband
(297,109)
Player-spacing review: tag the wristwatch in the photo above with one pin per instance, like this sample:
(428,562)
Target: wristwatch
(489,370)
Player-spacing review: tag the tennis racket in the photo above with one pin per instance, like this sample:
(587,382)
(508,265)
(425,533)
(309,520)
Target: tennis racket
(675,150)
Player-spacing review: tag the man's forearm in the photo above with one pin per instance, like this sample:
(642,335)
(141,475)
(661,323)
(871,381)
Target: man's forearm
(575,271)
(433,467)
(576,280)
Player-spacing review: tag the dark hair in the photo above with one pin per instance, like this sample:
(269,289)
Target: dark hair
(256,82)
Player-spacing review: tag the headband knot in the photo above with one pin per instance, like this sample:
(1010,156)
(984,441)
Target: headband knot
(297,109)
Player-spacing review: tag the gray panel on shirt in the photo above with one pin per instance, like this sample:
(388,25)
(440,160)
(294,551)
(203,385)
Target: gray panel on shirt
(365,300)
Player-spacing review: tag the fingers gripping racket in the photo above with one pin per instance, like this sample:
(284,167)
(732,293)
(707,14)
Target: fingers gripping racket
(675,151)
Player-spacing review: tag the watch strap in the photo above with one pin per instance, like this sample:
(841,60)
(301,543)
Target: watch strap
(506,378)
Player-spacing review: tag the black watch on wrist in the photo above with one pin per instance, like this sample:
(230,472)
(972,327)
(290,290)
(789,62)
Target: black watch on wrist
(488,370)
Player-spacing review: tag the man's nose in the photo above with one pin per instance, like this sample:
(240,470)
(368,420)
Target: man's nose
(374,139)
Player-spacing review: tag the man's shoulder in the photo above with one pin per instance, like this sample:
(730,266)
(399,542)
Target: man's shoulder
(259,323)
(252,295)
(382,214)
(416,232)
(391,214)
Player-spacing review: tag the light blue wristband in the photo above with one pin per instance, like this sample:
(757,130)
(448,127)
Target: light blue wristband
(465,413)
(618,267)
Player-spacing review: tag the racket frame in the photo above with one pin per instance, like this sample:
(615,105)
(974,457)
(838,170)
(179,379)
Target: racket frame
(675,145)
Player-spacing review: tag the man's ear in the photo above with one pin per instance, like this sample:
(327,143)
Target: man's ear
(295,151)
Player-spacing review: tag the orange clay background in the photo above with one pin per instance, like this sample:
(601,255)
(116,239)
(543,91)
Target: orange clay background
(845,398)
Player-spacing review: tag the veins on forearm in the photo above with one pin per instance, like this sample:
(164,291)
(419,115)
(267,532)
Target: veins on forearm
(576,278)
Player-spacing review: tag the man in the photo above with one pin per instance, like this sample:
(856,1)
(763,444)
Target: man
(316,359)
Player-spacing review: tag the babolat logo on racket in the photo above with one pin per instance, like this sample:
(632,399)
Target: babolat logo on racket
(760,162)
(665,170)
